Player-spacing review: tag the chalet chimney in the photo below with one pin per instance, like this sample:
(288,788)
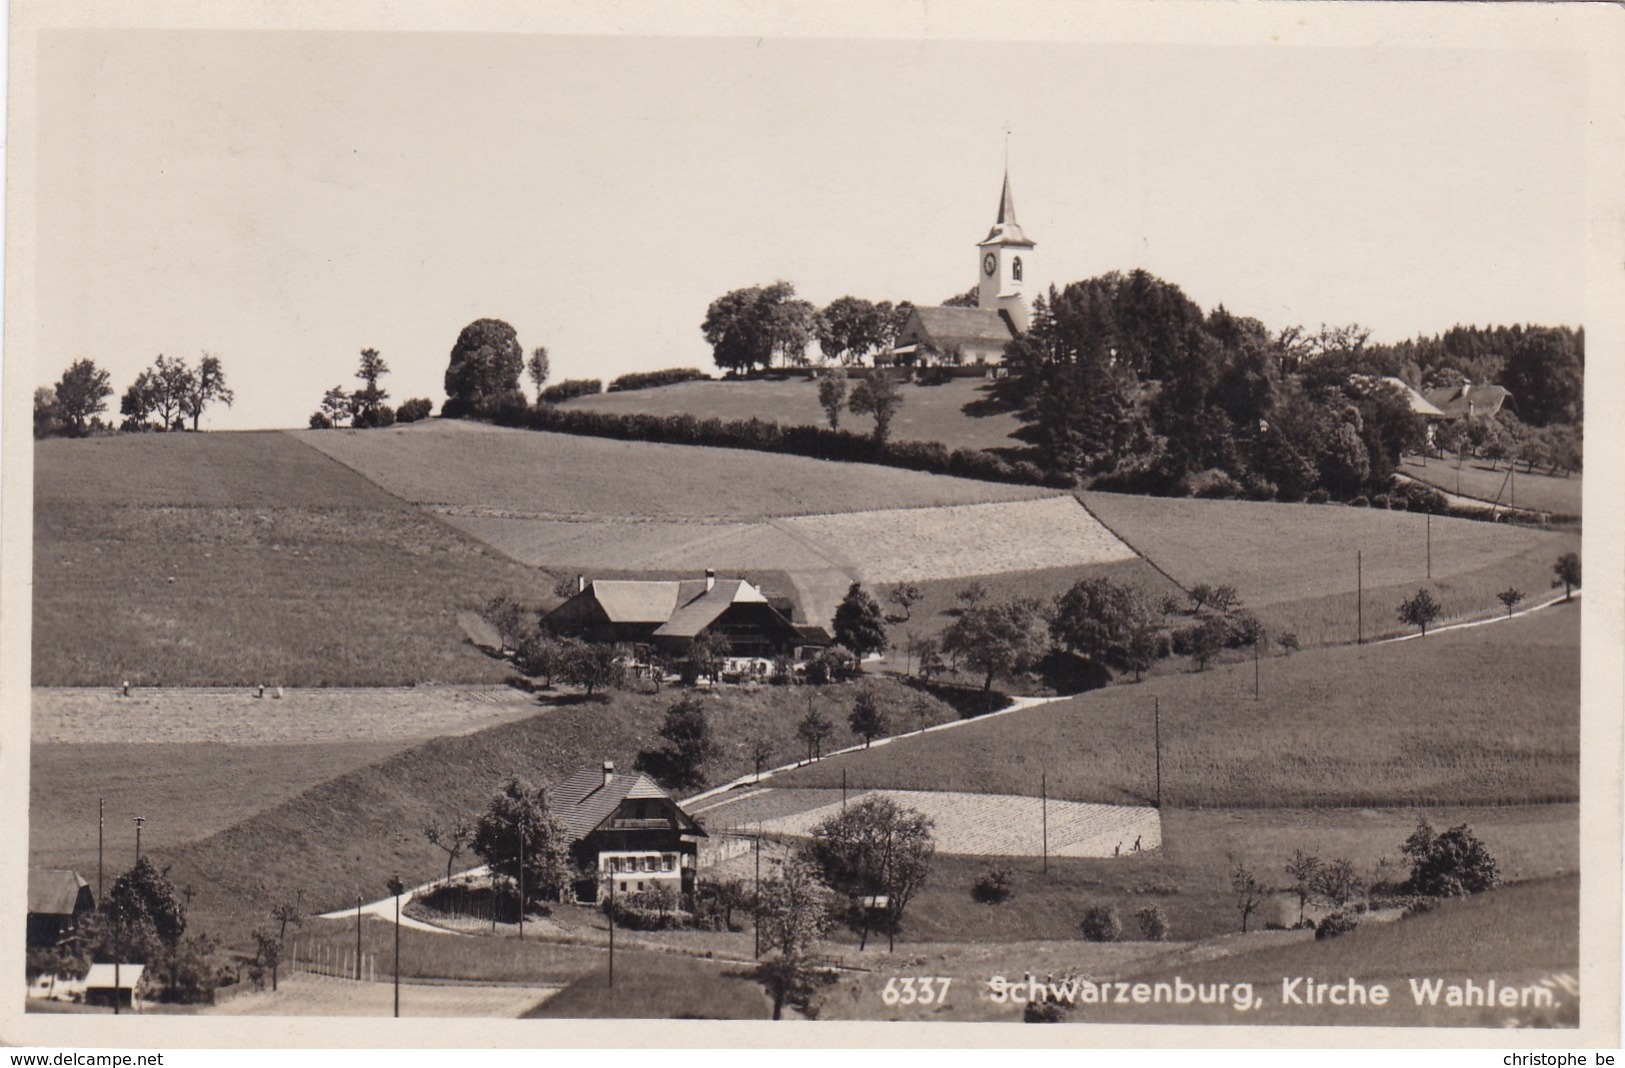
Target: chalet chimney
(609,771)
(710,579)
(581,583)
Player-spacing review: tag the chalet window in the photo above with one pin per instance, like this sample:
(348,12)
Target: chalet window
(666,860)
(640,885)
(648,863)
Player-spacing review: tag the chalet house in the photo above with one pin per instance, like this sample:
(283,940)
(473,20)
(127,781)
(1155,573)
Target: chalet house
(57,900)
(1468,401)
(667,615)
(627,829)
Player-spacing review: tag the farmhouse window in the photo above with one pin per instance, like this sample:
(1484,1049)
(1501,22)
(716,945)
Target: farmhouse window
(648,863)
(666,861)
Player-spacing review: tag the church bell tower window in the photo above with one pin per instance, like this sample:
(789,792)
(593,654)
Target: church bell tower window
(1015,268)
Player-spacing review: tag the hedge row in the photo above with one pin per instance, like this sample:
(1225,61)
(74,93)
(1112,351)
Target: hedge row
(649,379)
(763,436)
(572,387)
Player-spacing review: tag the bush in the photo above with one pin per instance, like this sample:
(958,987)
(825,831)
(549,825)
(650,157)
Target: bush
(1318,496)
(650,379)
(1452,864)
(1100,924)
(412,411)
(650,910)
(571,388)
(1420,905)
(993,886)
(1360,502)
(320,421)
(1153,923)
(1042,1012)
(1334,924)
(1380,501)
(1215,485)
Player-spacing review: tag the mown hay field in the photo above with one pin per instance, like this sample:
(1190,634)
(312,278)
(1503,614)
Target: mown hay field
(973,824)
(1484,715)
(878,546)
(1476,478)
(240,559)
(456,462)
(929,413)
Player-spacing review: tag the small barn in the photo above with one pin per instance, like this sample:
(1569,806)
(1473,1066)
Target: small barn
(110,984)
(1468,401)
(57,899)
(628,830)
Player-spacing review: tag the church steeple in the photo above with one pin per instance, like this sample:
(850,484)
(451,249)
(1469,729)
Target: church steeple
(1006,230)
(1000,256)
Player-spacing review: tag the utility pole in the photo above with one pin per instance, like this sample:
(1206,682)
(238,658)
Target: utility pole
(1430,543)
(138,821)
(757,895)
(612,930)
(397,888)
(101,823)
(1156,727)
(1043,801)
(521,878)
(1359,598)
(358,935)
(1255,667)
(843,789)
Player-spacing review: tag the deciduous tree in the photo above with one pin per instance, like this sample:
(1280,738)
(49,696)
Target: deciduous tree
(876,848)
(484,367)
(517,823)
(1567,570)
(1420,610)
(680,763)
(995,639)
(832,394)
(207,386)
(877,396)
(859,623)
(450,839)
(868,718)
(81,393)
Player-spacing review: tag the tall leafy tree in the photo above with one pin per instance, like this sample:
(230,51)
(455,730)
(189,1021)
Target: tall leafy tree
(1545,372)
(539,367)
(139,400)
(145,911)
(173,385)
(484,367)
(832,394)
(994,639)
(680,763)
(859,623)
(793,911)
(849,329)
(369,399)
(875,849)
(747,327)
(207,386)
(81,393)
(877,396)
(868,718)
(517,823)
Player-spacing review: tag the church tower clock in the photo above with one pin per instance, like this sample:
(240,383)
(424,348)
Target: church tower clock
(1004,263)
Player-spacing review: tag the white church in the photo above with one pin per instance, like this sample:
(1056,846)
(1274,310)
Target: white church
(970,336)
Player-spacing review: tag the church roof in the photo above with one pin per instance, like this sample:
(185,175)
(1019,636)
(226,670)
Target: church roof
(945,326)
(1006,230)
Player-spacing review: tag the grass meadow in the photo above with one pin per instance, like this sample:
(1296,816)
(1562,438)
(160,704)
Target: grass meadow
(501,471)
(929,413)
(246,558)
(1524,933)
(1295,565)
(1480,716)
(1487,482)
(361,826)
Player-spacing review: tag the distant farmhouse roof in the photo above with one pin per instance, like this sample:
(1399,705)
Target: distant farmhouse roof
(590,796)
(1468,400)
(695,615)
(1006,231)
(54,891)
(671,613)
(642,601)
(1420,405)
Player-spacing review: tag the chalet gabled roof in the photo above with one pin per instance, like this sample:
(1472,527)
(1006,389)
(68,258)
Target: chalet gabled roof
(634,601)
(702,611)
(584,800)
(54,891)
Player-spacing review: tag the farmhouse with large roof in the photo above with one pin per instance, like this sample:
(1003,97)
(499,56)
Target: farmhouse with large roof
(669,614)
(978,335)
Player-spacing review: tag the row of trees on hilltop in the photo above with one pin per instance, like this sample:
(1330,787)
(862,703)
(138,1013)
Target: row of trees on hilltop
(165,396)
(1125,380)
(759,325)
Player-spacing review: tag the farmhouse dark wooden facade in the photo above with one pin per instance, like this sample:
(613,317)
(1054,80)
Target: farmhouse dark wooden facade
(57,900)
(627,829)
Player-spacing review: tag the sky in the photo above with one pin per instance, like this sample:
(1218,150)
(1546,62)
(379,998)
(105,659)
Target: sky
(286,199)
